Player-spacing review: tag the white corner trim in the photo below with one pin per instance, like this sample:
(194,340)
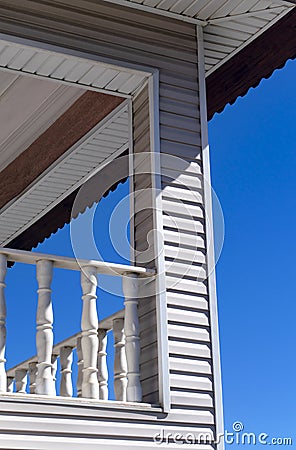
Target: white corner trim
(161,308)
(210,240)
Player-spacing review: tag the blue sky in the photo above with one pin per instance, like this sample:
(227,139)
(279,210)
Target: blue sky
(253,159)
(253,156)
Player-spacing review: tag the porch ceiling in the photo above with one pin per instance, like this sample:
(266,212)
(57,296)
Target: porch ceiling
(27,108)
(52,138)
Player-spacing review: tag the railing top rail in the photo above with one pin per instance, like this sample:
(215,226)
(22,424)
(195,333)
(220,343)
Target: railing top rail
(105,324)
(64,262)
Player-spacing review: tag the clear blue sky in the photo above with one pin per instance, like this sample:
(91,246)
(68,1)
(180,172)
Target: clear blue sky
(253,156)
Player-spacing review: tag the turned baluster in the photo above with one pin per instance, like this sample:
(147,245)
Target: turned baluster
(120,367)
(32,377)
(89,327)
(80,367)
(44,338)
(66,359)
(10,384)
(102,365)
(132,337)
(3,268)
(21,380)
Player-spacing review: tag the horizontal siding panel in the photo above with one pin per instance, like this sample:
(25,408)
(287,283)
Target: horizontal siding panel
(148,321)
(188,349)
(178,208)
(142,162)
(143,199)
(150,384)
(70,443)
(148,336)
(182,180)
(187,300)
(179,135)
(148,353)
(192,399)
(146,371)
(179,94)
(188,333)
(180,150)
(184,224)
(185,269)
(183,194)
(180,108)
(186,255)
(179,166)
(191,382)
(181,284)
(85,428)
(173,79)
(193,416)
(190,366)
(174,120)
(184,239)
(188,317)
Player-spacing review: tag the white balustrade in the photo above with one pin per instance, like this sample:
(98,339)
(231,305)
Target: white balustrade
(3,380)
(32,377)
(102,365)
(90,343)
(80,367)
(21,379)
(120,365)
(66,359)
(89,327)
(132,337)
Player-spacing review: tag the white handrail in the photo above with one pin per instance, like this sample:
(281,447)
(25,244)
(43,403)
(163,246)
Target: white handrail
(64,262)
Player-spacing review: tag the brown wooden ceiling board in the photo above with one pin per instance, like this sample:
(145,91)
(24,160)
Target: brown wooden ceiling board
(78,120)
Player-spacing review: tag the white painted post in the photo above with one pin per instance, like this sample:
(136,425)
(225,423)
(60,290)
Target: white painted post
(89,327)
(102,365)
(80,367)
(66,359)
(21,380)
(44,339)
(120,365)
(3,268)
(10,384)
(132,337)
(32,377)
